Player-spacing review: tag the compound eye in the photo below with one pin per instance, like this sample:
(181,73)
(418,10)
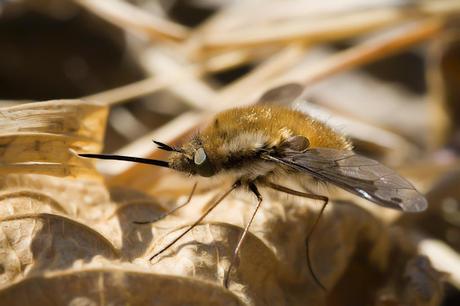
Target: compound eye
(200,157)
(203,166)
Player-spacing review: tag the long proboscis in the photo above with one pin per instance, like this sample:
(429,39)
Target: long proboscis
(159,163)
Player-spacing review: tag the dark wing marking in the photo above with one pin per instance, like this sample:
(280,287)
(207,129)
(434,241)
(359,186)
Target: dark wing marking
(357,174)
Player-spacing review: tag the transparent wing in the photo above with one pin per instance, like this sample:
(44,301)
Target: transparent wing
(357,174)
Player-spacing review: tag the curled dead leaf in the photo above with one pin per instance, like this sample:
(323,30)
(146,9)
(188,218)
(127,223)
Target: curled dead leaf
(117,287)
(38,243)
(40,137)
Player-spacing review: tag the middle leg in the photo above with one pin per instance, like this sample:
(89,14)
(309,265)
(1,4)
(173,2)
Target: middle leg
(254,190)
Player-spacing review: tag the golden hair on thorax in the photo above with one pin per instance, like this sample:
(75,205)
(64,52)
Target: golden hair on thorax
(235,137)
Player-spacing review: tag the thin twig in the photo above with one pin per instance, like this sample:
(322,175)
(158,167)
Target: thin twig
(129,17)
(142,88)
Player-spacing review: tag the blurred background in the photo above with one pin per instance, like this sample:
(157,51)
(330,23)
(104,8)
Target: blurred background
(385,72)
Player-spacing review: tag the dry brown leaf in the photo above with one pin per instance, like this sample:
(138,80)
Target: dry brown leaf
(36,243)
(272,261)
(74,118)
(41,137)
(115,287)
(62,234)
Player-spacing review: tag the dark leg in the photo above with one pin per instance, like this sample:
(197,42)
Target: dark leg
(296,193)
(310,233)
(254,189)
(172,210)
(307,244)
(217,202)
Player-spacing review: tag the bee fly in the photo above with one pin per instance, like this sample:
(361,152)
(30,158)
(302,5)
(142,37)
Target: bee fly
(259,144)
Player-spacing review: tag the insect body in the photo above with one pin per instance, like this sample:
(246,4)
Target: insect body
(259,144)
(238,140)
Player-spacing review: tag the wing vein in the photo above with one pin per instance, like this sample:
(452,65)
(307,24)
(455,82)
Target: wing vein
(365,177)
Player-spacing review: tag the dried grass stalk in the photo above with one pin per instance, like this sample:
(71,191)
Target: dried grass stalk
(131,18)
